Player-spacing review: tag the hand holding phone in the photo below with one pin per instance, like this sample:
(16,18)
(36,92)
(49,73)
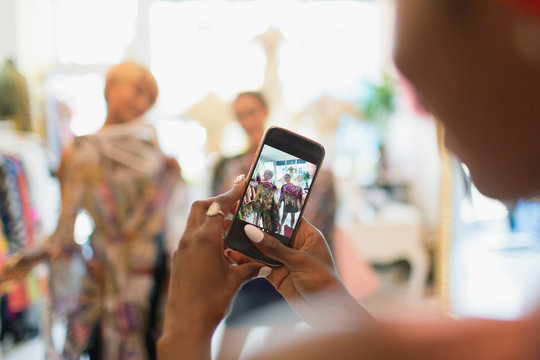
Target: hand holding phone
(278,187)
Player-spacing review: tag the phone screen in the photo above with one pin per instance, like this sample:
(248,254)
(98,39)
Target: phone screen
(278,188)
(276,192)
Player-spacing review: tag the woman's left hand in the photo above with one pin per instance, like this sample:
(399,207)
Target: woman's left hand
(203,283)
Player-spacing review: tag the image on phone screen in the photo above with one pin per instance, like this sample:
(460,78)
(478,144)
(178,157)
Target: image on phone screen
(276,192)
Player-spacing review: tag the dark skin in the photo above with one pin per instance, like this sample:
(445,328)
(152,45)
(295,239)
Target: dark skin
(308,268)
(462,59)
(190,285)
(470,69)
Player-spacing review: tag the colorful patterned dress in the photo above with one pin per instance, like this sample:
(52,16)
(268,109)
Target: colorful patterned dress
(120,177)
(266,205)
(291,195)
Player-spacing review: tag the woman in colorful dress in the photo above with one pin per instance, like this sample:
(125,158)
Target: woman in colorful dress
(122,179)
(265,201)
(291,197)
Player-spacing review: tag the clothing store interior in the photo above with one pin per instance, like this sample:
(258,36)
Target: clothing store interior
(117,116)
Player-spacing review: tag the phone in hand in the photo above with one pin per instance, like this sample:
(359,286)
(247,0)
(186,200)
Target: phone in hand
(278,187)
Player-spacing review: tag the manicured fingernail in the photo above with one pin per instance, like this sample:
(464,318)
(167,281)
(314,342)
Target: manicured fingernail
(239,178)
(253,233)
(264,272)
(226,253)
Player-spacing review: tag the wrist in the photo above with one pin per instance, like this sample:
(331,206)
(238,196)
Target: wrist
(185,335)
(173,346)
(190,323)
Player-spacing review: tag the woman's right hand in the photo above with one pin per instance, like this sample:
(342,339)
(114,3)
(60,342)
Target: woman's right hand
(308,279)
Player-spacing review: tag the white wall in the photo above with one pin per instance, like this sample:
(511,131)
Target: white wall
(27,34)
(8,41)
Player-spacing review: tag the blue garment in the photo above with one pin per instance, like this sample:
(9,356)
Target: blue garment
(11,211)
(257,295)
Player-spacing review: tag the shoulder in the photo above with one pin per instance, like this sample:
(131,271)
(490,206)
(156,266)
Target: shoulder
(230,159)
(221,163)
(80,151)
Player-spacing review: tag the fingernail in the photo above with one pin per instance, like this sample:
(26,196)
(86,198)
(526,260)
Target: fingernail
(239,178)
(253,233)
(226,253)
(264,272)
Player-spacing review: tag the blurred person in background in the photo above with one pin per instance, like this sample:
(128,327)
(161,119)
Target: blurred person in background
(291,197)
(122,179)
(251,110)
(476,65)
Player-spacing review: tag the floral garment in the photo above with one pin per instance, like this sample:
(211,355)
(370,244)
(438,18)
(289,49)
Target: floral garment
(123,181)
(266,207)
(291,195)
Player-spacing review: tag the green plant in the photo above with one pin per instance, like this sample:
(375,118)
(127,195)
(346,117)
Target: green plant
(380,103)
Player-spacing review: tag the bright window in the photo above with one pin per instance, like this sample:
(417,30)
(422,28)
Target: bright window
(94,32)
(199,47)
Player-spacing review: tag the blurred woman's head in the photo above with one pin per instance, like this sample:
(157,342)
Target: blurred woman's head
(287,178)
(476,65)
(130,91)
(268,175)
(251,110)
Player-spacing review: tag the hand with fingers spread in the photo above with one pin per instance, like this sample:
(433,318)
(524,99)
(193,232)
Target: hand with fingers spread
(203,282)
(307,279)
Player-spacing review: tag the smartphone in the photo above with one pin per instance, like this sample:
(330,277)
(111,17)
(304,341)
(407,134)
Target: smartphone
(278,187)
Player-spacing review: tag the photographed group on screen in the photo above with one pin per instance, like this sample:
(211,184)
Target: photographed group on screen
(277,191)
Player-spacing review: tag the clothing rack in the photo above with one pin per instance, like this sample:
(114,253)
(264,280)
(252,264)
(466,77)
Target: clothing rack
(24,220)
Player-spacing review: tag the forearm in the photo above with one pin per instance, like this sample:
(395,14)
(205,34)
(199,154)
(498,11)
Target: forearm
(339,310)
(465,339)
(187,334)
(184,345)
(470,339)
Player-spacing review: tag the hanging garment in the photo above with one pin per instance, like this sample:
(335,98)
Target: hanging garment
(28,215)
(11,210)
(14,100)
(38,190)
(3,244)
(16,218)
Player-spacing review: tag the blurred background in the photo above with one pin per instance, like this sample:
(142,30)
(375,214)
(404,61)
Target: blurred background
(411,229)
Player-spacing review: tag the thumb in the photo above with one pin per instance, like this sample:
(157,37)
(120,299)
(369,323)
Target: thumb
(251,270)
(271,246)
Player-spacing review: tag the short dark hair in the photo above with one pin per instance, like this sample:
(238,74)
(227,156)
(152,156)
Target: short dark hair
(287,176)
(257,95)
